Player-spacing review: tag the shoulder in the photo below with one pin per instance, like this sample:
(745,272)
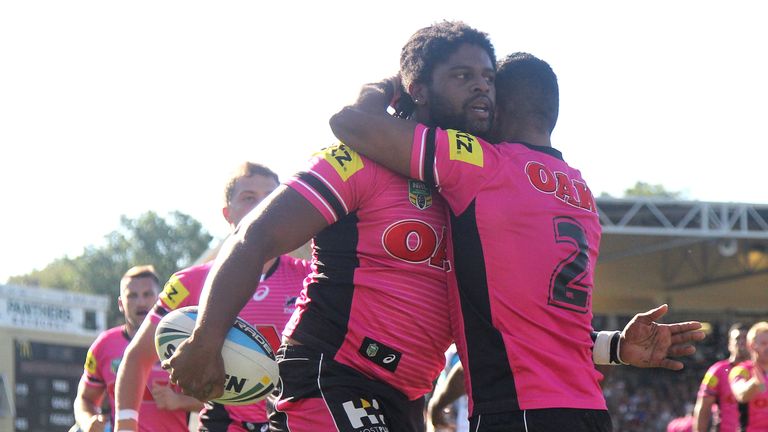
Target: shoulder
(741,371)
(107,338)
(190,277)
(197,270)
(343,160)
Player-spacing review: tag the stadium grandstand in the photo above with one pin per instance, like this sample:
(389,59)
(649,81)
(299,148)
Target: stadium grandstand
(708,261)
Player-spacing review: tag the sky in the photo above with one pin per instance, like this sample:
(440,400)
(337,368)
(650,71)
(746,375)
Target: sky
(118,108)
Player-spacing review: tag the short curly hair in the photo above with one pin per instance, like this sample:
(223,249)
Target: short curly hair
(531,84)
(431,45)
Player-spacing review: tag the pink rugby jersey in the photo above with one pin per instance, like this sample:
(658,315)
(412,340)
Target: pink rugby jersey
(753,416)
(268,310)
(377,299)
(101,365)
(525,238)
(715,384)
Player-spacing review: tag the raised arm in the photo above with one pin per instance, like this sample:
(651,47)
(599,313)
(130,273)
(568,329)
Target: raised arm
(369,129)
(281,223)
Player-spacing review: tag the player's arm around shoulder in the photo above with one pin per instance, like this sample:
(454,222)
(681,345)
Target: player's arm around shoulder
(369,129)
(133,374)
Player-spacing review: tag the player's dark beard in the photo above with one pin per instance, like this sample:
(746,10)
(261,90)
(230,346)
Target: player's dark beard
(443,116)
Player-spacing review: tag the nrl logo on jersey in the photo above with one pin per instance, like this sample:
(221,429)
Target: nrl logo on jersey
(419,194)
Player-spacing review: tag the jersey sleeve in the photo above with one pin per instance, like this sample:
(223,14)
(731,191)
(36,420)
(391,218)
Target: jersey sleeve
(709,384)
(456,162)
(739,373)
(336,181)
(91,371)
(182,289)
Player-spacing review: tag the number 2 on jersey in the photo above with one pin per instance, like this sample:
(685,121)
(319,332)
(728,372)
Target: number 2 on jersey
(566,289)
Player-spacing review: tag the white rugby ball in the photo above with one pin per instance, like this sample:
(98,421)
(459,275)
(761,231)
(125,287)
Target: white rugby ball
(249,362)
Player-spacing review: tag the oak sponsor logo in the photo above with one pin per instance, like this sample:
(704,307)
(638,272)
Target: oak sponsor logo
(419,194)
(573,192)
(174,292)
(365,416)
(343,159)
(378,353)
(464,147)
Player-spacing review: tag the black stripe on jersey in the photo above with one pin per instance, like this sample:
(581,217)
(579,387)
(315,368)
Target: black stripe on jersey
(324,323)
(429,158)
(743,416)
(488,368)
(272,268)
(324,192)
(160,310)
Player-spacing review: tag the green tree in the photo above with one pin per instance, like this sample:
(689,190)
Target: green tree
(642,189)
(168,244)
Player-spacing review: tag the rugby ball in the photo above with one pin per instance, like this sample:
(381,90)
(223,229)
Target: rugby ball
(250,368)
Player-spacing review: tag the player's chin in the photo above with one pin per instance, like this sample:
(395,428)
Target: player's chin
(479,126)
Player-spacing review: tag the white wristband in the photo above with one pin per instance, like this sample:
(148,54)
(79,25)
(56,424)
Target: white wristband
(127,414)
(601,350)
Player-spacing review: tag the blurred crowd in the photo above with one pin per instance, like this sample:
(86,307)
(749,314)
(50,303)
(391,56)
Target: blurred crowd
(646,400)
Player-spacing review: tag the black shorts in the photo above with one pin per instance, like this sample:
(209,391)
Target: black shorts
(543,420)
(317,394)
(215,418)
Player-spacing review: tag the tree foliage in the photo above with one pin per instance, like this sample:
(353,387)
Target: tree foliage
(642,189)
(168,244)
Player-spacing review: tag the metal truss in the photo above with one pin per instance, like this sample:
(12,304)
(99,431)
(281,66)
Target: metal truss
(699,243)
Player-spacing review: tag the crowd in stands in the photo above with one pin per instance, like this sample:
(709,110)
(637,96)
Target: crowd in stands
(646,400)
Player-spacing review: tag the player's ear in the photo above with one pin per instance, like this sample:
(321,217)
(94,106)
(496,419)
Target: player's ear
(120,304)
(225,213)
(419,93)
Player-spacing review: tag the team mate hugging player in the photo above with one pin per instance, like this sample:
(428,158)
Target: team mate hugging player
(160,406)
(524,228)
(268,309)
(370,330)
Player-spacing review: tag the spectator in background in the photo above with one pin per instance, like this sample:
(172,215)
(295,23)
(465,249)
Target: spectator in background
(715,391)
(139,288)
(748,381)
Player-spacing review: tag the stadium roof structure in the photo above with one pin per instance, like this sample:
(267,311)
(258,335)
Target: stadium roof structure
(695,256)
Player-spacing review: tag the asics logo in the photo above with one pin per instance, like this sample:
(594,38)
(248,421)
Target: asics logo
(261,293)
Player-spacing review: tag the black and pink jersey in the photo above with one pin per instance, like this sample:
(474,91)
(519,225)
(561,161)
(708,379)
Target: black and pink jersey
(377,300)
(753,415)
(525,239)
(269,308)
(101,366)
(716,384)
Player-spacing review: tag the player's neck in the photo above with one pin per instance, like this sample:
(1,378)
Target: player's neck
(130,330)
